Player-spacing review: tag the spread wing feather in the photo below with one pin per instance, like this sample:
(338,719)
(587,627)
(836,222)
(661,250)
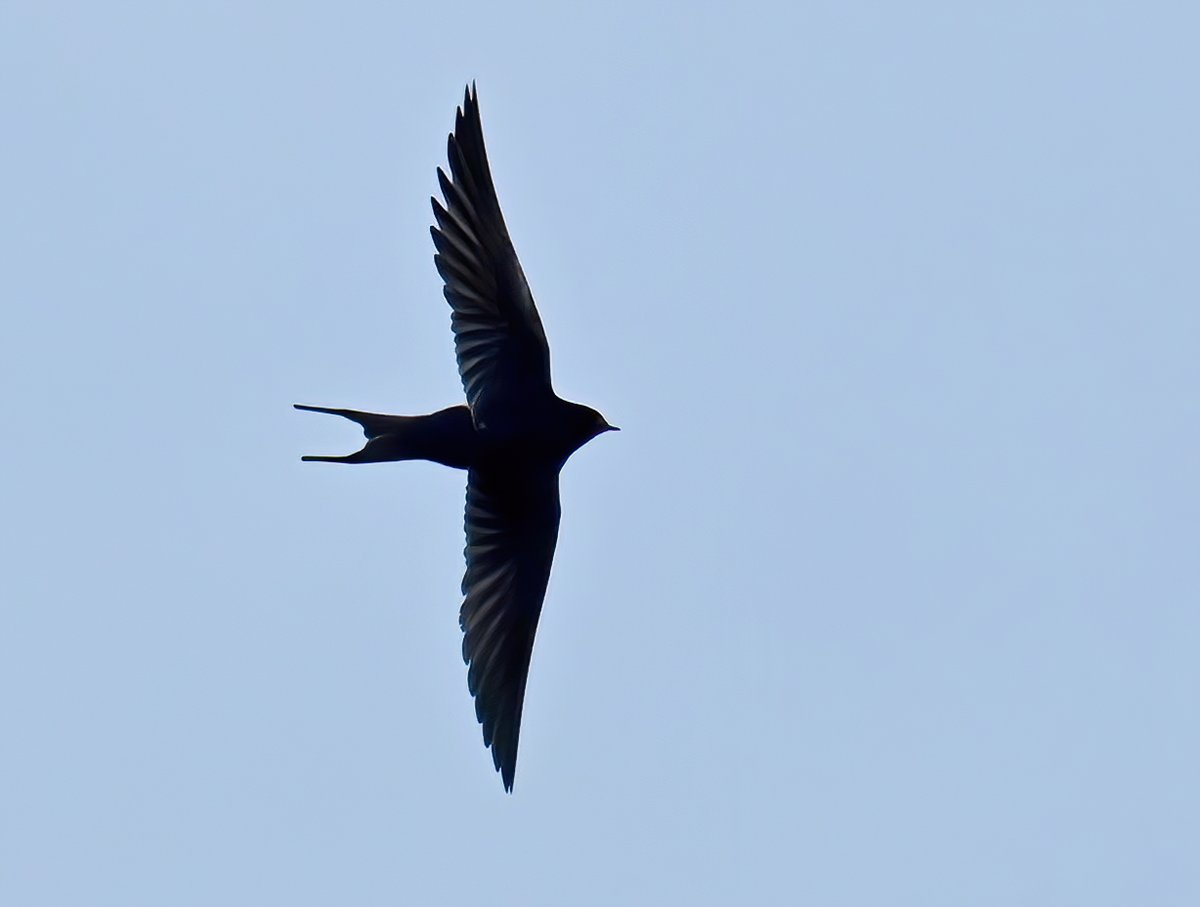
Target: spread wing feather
(503,357)
(512,529)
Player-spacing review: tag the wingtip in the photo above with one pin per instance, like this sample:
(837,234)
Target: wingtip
(466,105)
(470,103)
(507,772)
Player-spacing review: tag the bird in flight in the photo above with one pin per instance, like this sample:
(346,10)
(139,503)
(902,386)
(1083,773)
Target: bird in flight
(512,437)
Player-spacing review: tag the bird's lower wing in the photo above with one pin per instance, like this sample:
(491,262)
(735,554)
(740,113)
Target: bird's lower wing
(512,528)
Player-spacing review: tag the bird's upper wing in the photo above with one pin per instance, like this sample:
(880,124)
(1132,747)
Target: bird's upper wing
(512,528)
(503,357)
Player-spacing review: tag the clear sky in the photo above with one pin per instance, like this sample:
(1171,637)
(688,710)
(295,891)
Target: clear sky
(887,593)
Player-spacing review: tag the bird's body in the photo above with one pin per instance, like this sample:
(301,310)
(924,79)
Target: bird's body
(451,437)
(512,437)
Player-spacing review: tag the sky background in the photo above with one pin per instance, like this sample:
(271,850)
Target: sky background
(887,593)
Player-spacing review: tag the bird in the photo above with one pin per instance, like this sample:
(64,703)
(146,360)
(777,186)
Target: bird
(512,436)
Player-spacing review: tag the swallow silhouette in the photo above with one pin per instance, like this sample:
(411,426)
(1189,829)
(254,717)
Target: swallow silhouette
(513,436)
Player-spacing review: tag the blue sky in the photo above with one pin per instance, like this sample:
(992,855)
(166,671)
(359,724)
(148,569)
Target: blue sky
(885,594)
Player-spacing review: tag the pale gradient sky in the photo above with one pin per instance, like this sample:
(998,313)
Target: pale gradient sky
(887,593)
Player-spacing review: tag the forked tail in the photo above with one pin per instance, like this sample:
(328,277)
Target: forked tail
(447,436)
(381,431)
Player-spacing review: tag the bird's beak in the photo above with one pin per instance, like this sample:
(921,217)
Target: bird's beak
(612,428)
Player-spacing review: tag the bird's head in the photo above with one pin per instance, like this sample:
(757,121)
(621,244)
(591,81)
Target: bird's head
(586,423)
(597,424)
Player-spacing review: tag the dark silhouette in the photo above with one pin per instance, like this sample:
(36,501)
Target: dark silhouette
(512,437)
